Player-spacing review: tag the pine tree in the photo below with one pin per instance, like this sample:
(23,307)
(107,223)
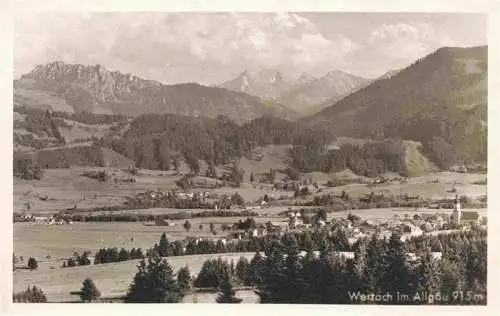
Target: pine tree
(255,271)
(242,267)
(427,274)
(212,273)
(358,281)
(89,291)
(375,265)
(397,276)
(184,278)
(154,283)
(187,225)
(294,284)
(227,294)
(163,246)
(270,290)
(123,255)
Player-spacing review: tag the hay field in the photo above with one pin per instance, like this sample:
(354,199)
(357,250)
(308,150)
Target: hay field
(65,187)
(60,241)
(423,186)
(112,279)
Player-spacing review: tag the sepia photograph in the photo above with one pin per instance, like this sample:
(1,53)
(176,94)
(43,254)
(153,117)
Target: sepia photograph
(250,157)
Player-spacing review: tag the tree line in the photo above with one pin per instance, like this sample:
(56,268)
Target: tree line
(153,217)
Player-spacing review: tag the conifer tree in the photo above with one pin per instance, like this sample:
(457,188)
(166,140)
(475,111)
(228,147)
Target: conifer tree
(358,277)
(255,270)
(227,294)
(397,275)
(427,274)
(154,283)
(375,264)
(89,291)
(187,225)
(241,269)
(163,246)
(184,278)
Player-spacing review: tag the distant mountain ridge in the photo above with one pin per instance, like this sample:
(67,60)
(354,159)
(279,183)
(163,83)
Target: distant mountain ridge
(98,90)
(311,96)
(269,84)
(297,91)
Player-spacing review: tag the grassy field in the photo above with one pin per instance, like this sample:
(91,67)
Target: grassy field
(66,187)
(112,279)
(423,186)
(60,241)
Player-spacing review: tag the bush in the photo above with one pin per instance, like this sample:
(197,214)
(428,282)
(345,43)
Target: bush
(237,199)
(187,225)
(30,295)
(32,263)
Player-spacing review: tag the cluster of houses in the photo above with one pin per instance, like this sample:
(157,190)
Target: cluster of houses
(157,194)
(295,221)
(48,220)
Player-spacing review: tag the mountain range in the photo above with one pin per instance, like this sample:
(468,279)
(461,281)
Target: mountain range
(297,91)
(76,88)
(439,101)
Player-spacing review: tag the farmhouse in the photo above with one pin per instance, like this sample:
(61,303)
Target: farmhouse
(257,232)
(412,257)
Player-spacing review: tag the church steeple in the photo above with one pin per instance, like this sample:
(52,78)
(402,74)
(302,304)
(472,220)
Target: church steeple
(457,211)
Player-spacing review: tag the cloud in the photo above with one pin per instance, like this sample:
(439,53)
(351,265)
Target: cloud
(144,42)
(213,47)
(391,46)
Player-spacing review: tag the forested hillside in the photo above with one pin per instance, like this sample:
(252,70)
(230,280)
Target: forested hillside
(156,141)
(440,100)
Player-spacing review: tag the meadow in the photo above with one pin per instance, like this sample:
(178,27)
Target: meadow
(112,279)
(60,241)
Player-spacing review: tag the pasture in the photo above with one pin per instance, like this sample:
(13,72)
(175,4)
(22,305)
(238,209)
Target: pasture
(60,241)
(60,189)
(425,186)
(112,279)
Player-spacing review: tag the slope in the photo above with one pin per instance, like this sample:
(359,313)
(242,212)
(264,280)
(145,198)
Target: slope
(443,95)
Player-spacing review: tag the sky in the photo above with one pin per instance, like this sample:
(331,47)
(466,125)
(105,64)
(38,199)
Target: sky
(210,48)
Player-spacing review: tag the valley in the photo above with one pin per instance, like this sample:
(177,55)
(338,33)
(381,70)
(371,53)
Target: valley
(107,163)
